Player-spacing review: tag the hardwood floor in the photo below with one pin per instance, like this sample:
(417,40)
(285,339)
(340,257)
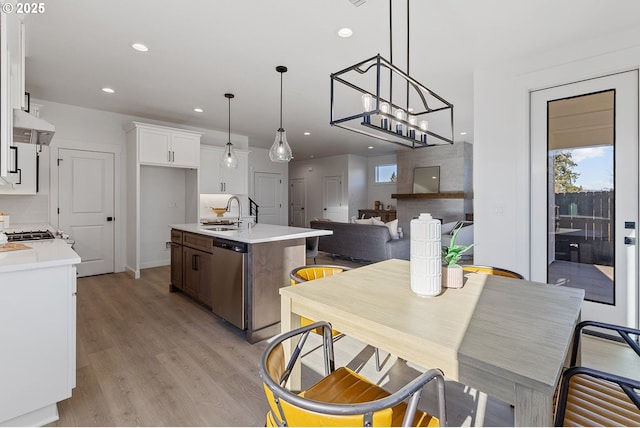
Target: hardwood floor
(153,358)
(148,357)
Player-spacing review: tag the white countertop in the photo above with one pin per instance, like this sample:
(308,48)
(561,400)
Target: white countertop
(256,234)
(45,253)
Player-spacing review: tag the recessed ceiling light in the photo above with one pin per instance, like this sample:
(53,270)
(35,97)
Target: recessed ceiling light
(140,47)
(463,133)
(307,133)
(345,32)
(108,90)
(198,110)
(370,147)
(312,156)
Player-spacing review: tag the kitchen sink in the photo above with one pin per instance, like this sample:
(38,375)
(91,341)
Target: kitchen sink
(219,228)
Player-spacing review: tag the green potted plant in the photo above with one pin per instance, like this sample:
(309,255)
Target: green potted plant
(452,274)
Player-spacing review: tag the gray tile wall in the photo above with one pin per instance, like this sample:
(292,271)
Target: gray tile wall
(456,175)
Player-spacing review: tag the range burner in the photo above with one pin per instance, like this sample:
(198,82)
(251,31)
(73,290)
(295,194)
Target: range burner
(35,235)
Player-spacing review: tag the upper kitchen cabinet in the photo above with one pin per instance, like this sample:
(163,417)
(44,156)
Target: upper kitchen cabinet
(163,146)
(17,53)
(22,170)
(12,71)
(215,178)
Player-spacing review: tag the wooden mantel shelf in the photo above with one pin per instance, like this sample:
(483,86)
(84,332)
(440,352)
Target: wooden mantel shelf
(447,195)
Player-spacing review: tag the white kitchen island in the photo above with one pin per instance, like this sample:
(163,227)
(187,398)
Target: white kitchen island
(238,273)
(37,331)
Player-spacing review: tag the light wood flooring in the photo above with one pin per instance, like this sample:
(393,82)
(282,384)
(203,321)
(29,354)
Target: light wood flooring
(148,357)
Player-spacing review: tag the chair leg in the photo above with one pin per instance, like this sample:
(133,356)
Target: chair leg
(377,355)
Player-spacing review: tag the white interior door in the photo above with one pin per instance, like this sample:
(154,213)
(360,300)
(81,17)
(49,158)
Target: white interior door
(332,198)
(86,207)
(267,194)
(584,192)
(298,202)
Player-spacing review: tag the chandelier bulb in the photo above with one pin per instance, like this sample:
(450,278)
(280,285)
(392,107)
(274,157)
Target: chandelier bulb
(386,109)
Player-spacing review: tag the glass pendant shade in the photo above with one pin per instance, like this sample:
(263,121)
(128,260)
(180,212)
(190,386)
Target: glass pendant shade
(280,150)
(229,158)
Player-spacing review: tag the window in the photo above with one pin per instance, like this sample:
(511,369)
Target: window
(386,173)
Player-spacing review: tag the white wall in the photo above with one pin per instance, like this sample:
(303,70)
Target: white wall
(90,129)
(379,191)
(357,184)
(159,209)
(314,171)
(501,149)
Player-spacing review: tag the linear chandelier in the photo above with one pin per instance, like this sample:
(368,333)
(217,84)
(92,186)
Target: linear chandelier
(410,115)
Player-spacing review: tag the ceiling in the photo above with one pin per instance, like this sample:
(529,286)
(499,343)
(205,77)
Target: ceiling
(201,49)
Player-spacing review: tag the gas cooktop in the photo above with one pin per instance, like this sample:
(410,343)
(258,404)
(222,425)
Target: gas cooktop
(35,235)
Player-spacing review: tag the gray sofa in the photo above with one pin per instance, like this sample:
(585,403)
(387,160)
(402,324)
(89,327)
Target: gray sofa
(361,241)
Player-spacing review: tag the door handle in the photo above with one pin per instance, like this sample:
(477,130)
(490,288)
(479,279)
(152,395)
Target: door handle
(302,209)
(109,218)
(194,262)
(19,176)
(325,209)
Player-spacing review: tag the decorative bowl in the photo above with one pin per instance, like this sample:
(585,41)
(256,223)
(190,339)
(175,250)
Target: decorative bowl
(219,211)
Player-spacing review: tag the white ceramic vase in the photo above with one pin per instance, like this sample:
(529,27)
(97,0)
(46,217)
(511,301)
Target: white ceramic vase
(425,256)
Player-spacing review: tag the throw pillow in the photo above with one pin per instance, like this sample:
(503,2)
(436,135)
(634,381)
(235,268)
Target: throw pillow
(392,225)
(393,229)
(363,221)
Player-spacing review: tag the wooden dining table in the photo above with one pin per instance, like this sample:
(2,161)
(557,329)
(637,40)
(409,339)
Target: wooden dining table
(506,337)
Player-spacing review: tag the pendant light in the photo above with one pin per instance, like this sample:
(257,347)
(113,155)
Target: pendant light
(229,158)
(280,150)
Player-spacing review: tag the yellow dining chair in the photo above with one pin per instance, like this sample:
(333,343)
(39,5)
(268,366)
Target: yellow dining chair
(589,397)
(342,397)
(309,273)
(489,270)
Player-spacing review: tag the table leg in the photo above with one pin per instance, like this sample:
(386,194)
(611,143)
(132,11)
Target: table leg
(289,321)
(532,408)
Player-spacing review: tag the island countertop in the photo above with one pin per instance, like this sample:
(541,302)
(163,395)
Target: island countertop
(257,234)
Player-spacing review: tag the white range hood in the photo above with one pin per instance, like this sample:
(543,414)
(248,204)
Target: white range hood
(28,128)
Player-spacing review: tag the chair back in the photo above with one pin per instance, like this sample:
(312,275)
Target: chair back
(342,397)
(309,273)
(589,397)
(489,270)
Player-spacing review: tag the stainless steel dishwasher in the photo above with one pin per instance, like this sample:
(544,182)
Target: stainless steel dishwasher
(229,282)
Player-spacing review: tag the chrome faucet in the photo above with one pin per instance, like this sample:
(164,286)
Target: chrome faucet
(239,207)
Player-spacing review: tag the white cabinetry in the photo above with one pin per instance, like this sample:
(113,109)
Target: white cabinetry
(38,330)
(159,145)
(157,155)
(12,54)
(22,170)
(6,112)
(215,178)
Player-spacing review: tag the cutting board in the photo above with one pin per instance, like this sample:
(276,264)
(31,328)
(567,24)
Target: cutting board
(13,246)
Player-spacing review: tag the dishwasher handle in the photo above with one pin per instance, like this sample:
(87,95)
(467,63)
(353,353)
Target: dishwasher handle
(237,247)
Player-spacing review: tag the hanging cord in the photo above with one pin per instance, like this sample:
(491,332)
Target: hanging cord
(281,73)
(390,57)
(408,73)
(229,98)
